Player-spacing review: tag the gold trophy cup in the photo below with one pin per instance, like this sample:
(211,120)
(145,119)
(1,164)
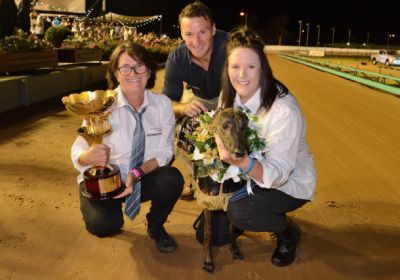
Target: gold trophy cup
(100,182)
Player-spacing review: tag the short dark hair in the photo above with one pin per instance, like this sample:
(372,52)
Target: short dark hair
(138,53)
(243,37)
(197,9)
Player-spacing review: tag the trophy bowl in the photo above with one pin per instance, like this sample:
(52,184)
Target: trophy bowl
(101,182)
(89,102)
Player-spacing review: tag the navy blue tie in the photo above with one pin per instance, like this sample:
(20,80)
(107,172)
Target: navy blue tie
(132,202)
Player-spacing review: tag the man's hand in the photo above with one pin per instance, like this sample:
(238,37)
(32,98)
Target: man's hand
(130,182)
(97,155)
(194,107)
(191,109)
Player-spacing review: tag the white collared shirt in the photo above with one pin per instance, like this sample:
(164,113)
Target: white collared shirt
(288,165)
(158,122)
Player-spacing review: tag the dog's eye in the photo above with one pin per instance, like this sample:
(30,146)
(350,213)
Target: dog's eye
(225,125)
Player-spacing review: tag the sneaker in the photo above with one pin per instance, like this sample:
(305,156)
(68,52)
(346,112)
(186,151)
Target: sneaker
(164,242)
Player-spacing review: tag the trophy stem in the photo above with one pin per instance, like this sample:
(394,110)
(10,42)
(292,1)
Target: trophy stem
(98,139)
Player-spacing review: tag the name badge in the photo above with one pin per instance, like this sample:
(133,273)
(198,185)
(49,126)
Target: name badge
(154,131)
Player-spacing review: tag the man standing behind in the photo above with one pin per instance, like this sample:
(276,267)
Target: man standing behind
(198,63)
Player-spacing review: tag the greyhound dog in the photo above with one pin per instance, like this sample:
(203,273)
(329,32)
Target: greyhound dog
(230,124)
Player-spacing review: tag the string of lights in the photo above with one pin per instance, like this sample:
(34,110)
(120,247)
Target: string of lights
(127,20)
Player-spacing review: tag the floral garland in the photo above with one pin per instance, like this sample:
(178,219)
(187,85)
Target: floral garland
(205,155)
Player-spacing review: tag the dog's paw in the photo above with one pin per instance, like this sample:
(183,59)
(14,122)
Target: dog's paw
(209,267)
(237,255)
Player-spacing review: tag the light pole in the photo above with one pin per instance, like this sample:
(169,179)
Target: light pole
(300,22)
(308,29)
(177,29)
(318,31)
(245,18)
(160,19)
(389,35)
(333,35)
(348,41)
(367,37)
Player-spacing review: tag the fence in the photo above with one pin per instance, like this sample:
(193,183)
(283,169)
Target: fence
(382,82)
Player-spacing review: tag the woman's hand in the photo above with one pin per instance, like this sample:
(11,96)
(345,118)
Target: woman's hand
(227,157)
(130,182)
(245,163)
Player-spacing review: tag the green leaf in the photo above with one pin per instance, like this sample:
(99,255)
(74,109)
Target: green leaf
(190,137)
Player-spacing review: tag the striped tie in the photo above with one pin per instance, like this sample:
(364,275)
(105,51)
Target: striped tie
(132,202)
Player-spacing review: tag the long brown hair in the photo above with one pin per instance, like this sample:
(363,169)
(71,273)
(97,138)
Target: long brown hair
(243,37)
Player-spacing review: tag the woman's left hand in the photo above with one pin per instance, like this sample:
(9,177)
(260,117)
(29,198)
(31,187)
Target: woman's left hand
(225,155)
(130,182)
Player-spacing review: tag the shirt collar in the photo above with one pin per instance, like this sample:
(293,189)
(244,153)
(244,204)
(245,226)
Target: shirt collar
(122,101)
(253,104)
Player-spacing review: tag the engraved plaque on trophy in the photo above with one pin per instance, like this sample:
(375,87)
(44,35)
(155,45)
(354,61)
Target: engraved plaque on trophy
(101,182)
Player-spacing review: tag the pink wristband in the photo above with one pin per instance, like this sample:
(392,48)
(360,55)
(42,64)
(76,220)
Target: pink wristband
(136,173)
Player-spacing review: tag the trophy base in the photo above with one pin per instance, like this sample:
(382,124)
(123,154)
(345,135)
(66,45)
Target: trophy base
(87,195)
(102,183)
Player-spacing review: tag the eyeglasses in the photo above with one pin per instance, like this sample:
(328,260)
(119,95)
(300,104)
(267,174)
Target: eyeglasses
(126,69)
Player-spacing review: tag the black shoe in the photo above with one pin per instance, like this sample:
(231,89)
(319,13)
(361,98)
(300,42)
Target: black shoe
(287,241)
(164,242)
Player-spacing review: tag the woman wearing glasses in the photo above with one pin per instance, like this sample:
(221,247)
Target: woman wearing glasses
(132,72)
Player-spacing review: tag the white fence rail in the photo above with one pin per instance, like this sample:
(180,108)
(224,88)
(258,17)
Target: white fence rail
(319,51)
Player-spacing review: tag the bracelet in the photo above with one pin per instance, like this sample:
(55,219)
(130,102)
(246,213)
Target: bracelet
(135,172)
(250,166)
(141,172)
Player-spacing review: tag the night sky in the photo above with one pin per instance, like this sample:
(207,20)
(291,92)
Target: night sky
(378,19)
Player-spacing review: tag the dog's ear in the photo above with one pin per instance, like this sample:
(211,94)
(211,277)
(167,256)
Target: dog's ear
(215,118)
(217,113)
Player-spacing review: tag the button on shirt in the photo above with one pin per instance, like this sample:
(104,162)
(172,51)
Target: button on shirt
(179,68)
(288,165)
(158,122)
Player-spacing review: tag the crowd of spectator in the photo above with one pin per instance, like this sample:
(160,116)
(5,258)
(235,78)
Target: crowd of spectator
(82,29)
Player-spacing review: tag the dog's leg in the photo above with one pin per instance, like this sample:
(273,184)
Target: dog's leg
(208,263)
(234,233)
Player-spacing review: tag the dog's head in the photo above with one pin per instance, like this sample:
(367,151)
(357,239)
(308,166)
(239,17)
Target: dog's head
(231,124)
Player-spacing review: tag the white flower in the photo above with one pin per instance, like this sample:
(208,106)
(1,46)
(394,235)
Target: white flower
(214,177)
(208,161)
(258,155)
(212,113)
(197,155)
(232,173)
(254,125)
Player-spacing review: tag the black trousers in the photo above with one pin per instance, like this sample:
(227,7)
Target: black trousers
(265,211)
(162,187)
